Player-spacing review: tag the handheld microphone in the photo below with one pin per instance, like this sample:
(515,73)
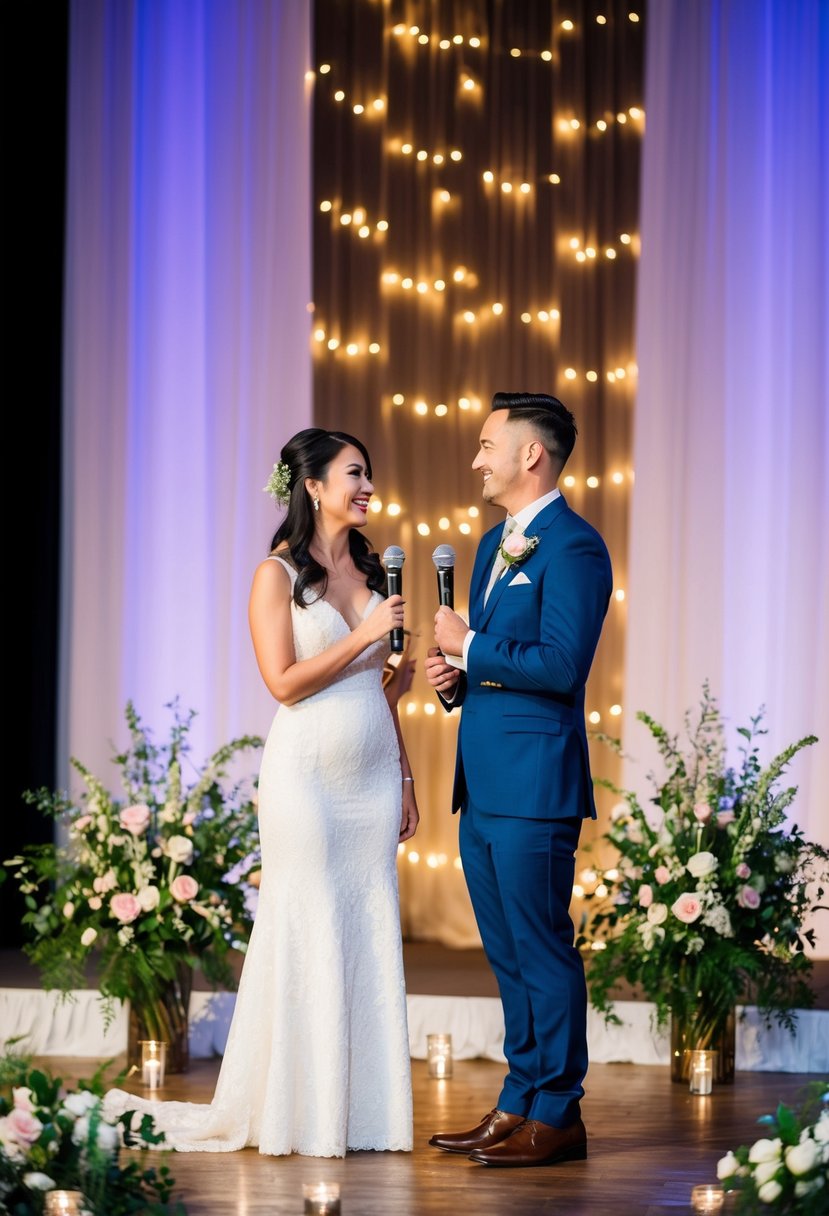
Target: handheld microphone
(444,559)
(393,560)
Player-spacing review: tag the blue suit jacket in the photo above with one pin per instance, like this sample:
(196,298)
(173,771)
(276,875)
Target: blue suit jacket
(522,745)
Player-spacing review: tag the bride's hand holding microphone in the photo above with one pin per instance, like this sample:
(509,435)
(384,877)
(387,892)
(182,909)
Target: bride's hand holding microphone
(384,620)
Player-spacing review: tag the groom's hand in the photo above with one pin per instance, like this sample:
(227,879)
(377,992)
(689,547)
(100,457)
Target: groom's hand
(440,675)
(450,631)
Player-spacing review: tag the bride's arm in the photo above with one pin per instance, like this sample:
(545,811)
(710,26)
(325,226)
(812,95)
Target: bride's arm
(411,816)
(269,615)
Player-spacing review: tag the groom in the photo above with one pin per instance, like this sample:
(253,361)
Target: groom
(539,593)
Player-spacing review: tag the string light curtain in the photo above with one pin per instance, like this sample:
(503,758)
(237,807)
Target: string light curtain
(476,210)
(730,527)
(186,353)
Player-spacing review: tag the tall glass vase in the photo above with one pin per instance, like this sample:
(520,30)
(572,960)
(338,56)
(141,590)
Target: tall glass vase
(702,1029)
(164,1017)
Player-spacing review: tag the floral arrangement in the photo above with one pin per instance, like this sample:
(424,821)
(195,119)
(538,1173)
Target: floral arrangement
(706,907)
(52,1138)
(149,882)
(517,547)
(279,483)
(786,1171)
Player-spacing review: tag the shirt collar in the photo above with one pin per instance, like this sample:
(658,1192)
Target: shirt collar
(526,515)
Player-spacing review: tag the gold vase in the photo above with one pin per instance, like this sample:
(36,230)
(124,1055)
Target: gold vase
(703,1031)
(165,1018)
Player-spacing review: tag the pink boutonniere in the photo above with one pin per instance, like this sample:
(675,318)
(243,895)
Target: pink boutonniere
(517,547)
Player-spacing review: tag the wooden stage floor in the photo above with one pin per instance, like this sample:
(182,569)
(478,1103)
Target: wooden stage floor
(649,1143)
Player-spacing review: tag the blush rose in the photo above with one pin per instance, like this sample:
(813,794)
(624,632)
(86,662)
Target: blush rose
(184,888)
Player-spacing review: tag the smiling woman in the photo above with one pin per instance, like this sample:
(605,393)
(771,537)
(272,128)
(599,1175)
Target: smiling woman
(322,996)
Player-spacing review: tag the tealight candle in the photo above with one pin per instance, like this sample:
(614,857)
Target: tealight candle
(63,1203)
(707,1199)
(439,1055)
(321,1198)
(701,1072)
(153,1059)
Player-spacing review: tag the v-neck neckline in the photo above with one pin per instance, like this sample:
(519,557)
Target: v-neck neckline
(334,608)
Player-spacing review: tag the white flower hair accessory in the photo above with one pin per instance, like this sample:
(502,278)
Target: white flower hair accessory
(517,547)
(279,483)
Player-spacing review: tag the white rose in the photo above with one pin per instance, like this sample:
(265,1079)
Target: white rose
(108,1137)
(88,936)
(180,850)
(765,1150)
(701,864)
(657,913)
(769,1191)
(727,1165)
(79,1103)
(38,1182)
(765,1171)
(148,898)
(803,1157)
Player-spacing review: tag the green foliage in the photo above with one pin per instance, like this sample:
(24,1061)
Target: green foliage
(707,904)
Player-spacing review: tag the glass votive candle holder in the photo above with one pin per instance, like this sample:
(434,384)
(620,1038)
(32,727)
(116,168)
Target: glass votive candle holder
(321,1198)
(701,1072)
(153,1062)
(439,1056)
(707,1198)
(63,1203)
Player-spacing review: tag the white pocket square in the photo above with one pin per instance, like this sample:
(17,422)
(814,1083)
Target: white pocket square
(519,578)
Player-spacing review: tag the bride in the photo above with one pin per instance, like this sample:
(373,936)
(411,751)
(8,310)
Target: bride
(317,1059)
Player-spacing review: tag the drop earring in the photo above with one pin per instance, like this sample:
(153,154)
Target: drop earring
(316,502)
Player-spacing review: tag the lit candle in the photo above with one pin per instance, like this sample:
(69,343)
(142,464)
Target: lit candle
(439,1056)
(707,1199)
(321,1198)
(63,1203)
(153,1058)
(701,1072)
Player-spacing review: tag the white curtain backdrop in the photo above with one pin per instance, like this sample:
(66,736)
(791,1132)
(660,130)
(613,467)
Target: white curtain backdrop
(729,551)
(186,353)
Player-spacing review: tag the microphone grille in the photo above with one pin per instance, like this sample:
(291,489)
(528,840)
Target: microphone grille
(444,557)
(393,558)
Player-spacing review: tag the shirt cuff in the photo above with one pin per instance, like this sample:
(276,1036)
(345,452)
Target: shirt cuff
(459,661)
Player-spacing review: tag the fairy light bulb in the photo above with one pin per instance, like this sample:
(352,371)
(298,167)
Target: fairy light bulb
(554,178)
(464,528)
(615,710)
(570,373)
(374,348)
(473,512)
(394,508)
(594,717)
(569,480)
(423,529)
(333,343)
(619,596)
(319,334)
(421,408)
(325,205)
(441,410)
(546,56)
(443,523)
(497,309)
(398,399)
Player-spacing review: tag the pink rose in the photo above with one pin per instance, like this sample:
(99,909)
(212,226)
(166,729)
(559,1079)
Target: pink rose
(184,888)
(82,822)
(743,871)
(748,897)
(662,875)
(135,819)
(23,1125)
(515,544)
(724,818)
(687,908)
(645,895)
(124,907)
(22,1097)
(702,812)
(104,882)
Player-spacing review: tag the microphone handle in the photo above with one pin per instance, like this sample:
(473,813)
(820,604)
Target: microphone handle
(394,582)
(446,588)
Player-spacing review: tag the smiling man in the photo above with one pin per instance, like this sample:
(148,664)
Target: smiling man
(539,594)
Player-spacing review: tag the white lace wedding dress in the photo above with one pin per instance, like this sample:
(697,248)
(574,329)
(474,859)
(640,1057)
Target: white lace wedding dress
(317,1060)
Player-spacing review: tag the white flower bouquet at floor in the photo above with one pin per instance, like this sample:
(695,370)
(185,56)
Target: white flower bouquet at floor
(707,903)
(787,1170)
(148,881)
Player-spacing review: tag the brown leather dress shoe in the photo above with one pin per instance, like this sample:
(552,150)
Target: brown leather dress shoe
(492,1129)
(535,1143)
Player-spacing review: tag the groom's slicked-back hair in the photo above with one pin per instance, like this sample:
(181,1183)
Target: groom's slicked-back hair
(550,417)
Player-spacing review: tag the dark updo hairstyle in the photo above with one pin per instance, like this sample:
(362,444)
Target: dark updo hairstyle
(552,420)
(309,454)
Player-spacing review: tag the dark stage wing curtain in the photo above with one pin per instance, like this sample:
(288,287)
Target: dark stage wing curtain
(476,171)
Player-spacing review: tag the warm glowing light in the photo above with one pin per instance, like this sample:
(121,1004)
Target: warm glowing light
(476,42)
(569,480)
(610,253)
(601,124)
(458,39)
(567,25)
(594,717)
(455,154)
(364,231)
(423,39)
(600,20)
(463,403)
(319,334)
(443,522)
(546,56)
(429,708)
(617,478)
(555,315)
(421,407)
(591,376)
(352,349)
(497,309)
(414,29)
(405,149)
(574,242)
(325,205)
(635,112)
(506,187)
(339,95)
(581,256)
(621,118)
(444,44)
(382,225)
(575,124)
(423,154)
(358,108)
(398,399)
(611,376)
(376,505)
(515,52)
(593,482)
(620,373)
(394,508)
(441,410)
(473,512)
(634,17)
(590,251)
(578,890)
(615,710)
(423,529)
(465,528)
(437,159)
(422,287)
(324,69)
(526,317)
(414,857)
(543,315)
(601,891)
(378,104)
(345,218)
(459,274)
(555,179)
(489,176)
(309,75)
(619,596)
(374,348)
(525,187)
(333,343)
(624,237)
(469,316)
(588,876)
(440,285)
(468,84)
(570,373)
(399,29)
(407,283)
